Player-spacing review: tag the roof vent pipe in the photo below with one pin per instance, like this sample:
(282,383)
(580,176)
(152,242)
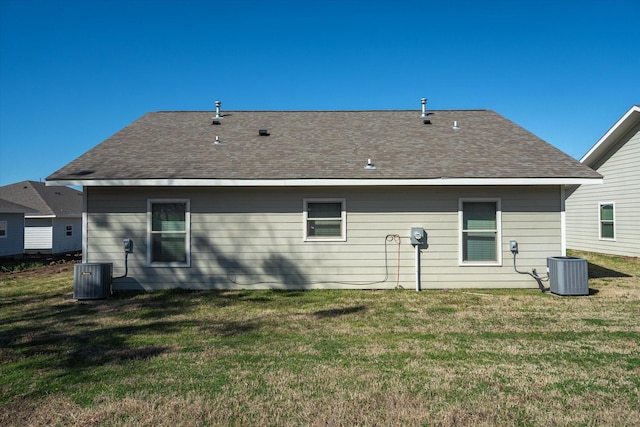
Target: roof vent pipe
(218,116)
(423,101)
(370,165)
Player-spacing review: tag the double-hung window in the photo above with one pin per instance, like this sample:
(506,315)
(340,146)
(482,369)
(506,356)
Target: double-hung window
(168,225)
(68,230)
(480,224)
(607,221)
(325,220)
(3,229)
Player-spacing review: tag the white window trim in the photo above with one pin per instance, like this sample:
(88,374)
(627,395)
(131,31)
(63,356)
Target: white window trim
(498,261)
(343,220)
(187,219)
(5,227)
(607,239)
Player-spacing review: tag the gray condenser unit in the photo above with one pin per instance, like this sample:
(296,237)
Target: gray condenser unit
(92,280)
(568,275)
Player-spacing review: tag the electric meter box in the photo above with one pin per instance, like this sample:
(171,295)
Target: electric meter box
(418,236)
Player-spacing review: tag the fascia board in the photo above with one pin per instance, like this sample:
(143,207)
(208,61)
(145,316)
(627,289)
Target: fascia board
(324,182)
(620,128)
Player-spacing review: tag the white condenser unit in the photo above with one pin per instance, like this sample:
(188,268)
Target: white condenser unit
(92,280)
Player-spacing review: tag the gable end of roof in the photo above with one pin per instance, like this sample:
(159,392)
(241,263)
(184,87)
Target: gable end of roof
(630,119)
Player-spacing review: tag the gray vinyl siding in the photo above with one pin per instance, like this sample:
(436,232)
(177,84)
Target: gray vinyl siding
(13,243)
(253,237)
(621,187)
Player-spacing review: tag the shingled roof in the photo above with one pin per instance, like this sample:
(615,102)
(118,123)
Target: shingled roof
(9,207)
(169,147)
(63,202)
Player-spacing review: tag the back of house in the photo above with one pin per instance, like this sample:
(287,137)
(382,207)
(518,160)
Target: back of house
(322,199)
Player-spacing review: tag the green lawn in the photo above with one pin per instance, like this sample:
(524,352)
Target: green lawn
(322,358)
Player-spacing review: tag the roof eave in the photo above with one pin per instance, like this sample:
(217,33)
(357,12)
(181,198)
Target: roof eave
(325,182)
(617,131)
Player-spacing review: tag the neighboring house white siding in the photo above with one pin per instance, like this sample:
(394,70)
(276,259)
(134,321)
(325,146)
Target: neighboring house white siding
(255,238)
(11,234)
(53,235)
(38,235)
(620,166)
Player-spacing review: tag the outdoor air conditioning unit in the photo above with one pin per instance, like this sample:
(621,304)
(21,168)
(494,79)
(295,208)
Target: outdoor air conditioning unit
(92,280)
(568,275)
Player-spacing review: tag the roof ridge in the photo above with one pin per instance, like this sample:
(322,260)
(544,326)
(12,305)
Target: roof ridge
(317,111)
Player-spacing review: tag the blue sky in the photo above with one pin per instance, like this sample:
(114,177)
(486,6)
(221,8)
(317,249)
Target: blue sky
(74,72)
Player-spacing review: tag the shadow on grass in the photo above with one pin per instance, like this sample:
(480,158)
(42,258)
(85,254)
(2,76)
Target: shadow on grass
(98,355)
(228,329)
(599,272)
(50,333)
(335,312)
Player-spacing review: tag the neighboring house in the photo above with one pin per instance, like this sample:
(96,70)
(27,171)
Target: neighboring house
(604,218)
(322,199)
(12,228)
(55,223)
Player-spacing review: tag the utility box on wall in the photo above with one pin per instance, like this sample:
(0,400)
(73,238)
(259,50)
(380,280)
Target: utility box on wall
(568,275)
(418,236)
(92,280)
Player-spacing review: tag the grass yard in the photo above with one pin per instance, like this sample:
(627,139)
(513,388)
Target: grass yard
(322,358)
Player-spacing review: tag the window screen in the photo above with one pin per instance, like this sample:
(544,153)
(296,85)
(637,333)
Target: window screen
(169,232)
(324,220)
(607,229)
(479,231)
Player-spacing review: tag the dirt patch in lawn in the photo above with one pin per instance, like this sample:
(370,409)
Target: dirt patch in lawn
(38,265)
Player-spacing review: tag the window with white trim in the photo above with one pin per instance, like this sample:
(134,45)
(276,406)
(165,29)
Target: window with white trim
(325,220)
(480,231)
(607,221)
(168,225)
(3,229)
